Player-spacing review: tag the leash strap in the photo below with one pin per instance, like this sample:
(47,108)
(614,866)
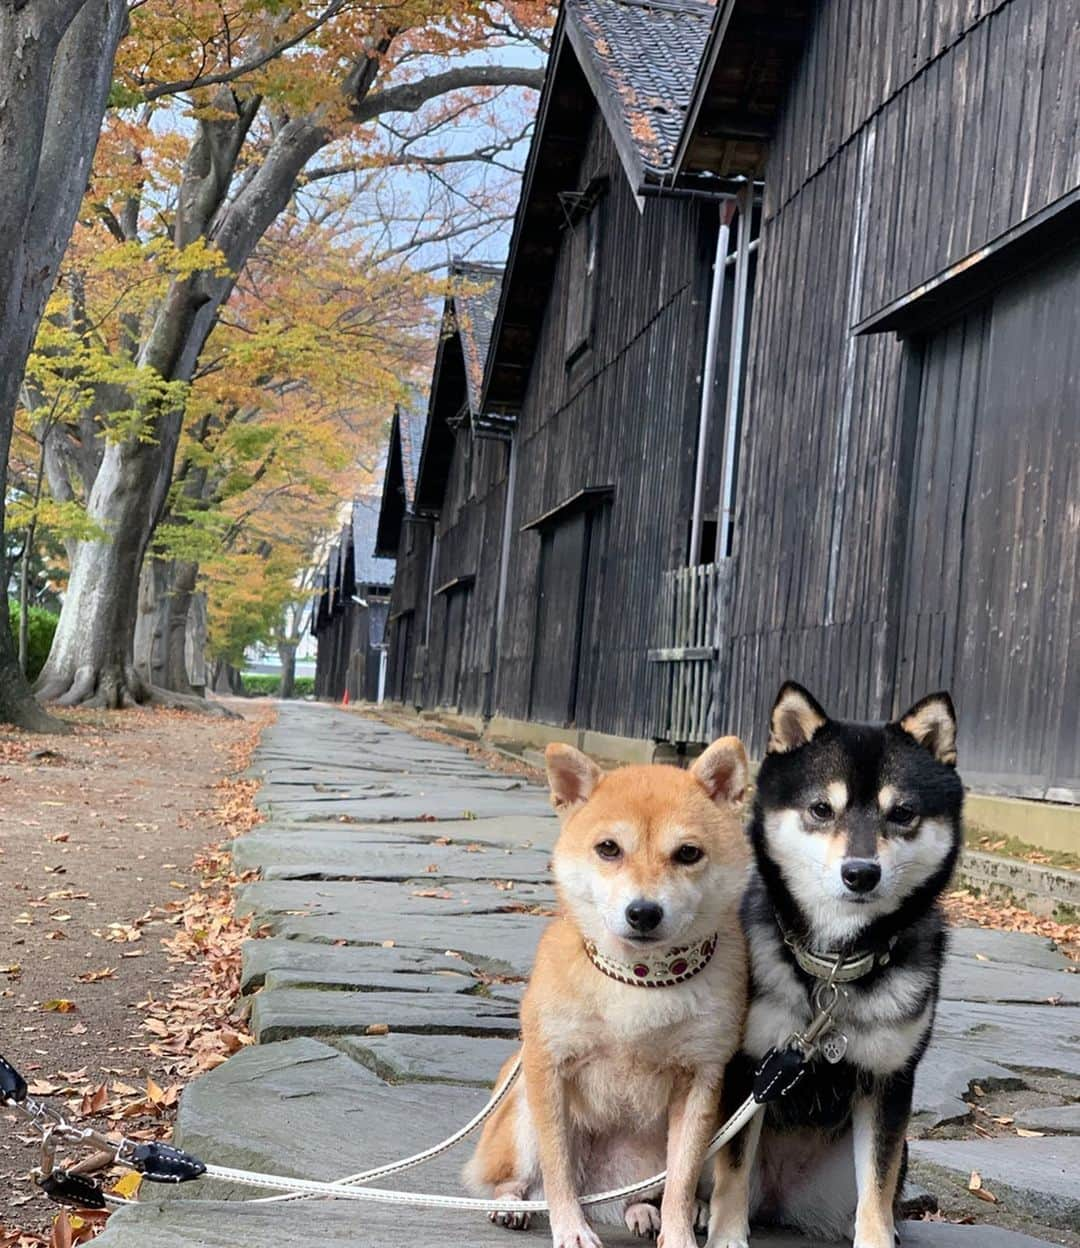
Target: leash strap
(780,1070)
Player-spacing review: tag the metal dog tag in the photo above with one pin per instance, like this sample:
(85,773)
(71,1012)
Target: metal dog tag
(833,1047)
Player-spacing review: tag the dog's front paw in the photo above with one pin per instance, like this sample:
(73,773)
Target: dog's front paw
(576,1235)
(676,1239)
(513,1220)
(643,1219)
(728,1236)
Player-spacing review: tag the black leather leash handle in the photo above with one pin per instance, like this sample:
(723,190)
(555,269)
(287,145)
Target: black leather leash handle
(12,1084)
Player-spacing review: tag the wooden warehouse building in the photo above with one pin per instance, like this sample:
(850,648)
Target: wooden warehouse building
(786,353)
(442,514)
(405,536)
(561,477)
(349,616)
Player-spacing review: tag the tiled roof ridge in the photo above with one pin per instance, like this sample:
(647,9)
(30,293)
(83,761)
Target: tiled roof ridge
(701,8)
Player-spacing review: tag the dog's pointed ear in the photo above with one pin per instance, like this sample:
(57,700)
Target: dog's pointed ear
(796,716)
(722,770)
(932,723)
(572,776)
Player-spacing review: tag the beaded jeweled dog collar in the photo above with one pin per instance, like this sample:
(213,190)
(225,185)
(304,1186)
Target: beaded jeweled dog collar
(662,970)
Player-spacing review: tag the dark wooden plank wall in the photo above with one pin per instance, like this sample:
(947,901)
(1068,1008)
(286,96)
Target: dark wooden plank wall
(469,532)
(625,415)
(338,639)
(913,134)
(991,606)
(408,609)
(968,108)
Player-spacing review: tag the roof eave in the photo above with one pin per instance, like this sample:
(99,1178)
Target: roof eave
(610,108)
(554,61)
(715,41)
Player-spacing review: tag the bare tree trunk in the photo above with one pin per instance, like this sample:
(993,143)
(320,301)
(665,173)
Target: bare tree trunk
(24,601)
(24,570)
(56,59)
(195,648)
(166,589)
(92,658)
(287,654)
(227,679)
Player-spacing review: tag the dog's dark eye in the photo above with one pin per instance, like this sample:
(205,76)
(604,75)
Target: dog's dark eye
(608,849)
(688,854)
(903,816)
(821,811)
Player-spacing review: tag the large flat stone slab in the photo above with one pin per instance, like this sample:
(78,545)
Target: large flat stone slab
(334,854)
(419,899)
(509,831)
(283,1013)
(215,1224)
(945,1077)
(459,981)
(1007,983)
(1054,1119)
(299,958)
(1038,1177)
(1021,1037)
(1012,947)
(502,943)
(470,1060)
(470,804)
(302,1108)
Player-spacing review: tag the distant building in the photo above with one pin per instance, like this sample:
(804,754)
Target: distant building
(443,515)
(349,617)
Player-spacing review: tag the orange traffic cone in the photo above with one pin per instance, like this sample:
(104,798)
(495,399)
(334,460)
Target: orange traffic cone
(345,699)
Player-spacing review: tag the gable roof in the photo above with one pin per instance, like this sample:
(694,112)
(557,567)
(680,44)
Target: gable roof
(641,58)
(751,54)
(368,569)
(397,497)
(457,380)
(473,308)
(636,62)
(411,420)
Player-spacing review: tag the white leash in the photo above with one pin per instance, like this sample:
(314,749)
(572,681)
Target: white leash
(418,1159)
(348,1189)
(780,1070)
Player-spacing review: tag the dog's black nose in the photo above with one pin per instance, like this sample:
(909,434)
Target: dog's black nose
(860,874)
(644,916)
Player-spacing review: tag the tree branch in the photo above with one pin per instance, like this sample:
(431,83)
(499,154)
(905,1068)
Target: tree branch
(245,67)
(409,97)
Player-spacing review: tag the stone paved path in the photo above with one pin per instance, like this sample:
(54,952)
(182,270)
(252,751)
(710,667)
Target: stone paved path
(395,871)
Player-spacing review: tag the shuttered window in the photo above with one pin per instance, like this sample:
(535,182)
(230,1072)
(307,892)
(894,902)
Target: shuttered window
(584,244)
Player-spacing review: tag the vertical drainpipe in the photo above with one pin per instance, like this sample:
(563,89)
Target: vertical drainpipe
(504,573)
(708,379)
(431,581)
(735,368)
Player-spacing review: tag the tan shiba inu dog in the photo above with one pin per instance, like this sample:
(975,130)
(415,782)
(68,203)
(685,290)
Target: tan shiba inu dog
(636,1001)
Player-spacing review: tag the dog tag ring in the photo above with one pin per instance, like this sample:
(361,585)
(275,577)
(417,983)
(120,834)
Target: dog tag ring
(833,1047)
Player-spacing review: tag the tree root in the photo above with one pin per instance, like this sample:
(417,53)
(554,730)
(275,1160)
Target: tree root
(114,689)
(189,702)
(17,705)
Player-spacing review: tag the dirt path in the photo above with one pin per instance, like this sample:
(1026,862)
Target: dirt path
(99,831)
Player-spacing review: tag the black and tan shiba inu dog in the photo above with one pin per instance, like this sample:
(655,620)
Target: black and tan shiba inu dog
(855,832)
